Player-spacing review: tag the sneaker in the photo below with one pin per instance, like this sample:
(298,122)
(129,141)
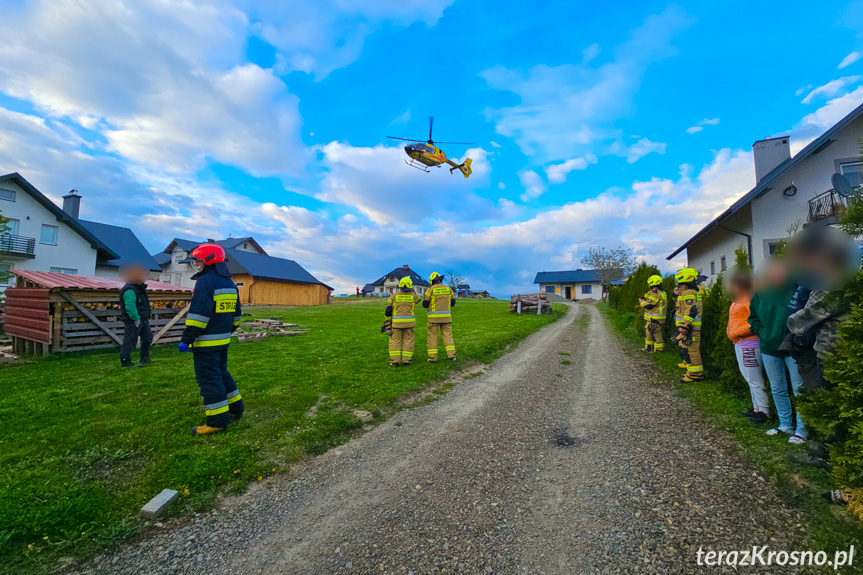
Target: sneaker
(778,430)
(748,413)
(682,365)
(759,418)
(797,439)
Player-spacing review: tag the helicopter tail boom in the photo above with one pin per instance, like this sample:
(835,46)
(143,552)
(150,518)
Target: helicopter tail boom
(464,167)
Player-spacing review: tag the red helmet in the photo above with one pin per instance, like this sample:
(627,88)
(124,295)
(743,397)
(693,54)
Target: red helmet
(209,253)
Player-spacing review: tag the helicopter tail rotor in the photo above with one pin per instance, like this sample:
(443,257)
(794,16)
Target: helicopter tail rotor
(464,168)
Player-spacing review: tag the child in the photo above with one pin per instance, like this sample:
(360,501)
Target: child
(746,345)
(135,313)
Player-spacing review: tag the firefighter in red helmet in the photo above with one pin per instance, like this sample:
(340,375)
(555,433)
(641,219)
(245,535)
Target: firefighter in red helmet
(213,316)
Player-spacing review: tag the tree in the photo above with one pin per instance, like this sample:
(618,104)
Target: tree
(453,280)
(611,264)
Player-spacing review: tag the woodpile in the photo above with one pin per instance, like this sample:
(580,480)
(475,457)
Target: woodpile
(263,328)
(530,303)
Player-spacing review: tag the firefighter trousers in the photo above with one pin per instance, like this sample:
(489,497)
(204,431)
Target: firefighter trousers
(691,355)
(434,330)
(402,345)
(653,336)
(217,387)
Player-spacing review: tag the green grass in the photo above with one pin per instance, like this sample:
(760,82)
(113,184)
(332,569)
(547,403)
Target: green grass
(86,444)
(831,527)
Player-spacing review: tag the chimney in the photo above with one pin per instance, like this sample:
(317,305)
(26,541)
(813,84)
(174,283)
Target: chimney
(768,154)
(406,266)
(72,203)
(211,241)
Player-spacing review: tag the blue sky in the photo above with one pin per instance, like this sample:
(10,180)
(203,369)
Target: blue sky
(592,124)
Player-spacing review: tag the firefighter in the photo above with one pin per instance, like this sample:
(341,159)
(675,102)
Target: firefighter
(655,303)
(400,307)
(213,316)
(439,300)
(688,320)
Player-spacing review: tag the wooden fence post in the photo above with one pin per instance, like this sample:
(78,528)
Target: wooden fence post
(171,323)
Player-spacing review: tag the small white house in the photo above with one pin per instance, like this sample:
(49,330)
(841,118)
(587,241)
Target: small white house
(788,192)
(174,267)
(43,237)
(572,284)
(389,283)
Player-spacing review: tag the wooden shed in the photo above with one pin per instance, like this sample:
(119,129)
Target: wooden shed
(267,280)
(51,312)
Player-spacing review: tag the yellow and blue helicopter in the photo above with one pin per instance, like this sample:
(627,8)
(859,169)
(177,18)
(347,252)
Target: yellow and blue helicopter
(425,155)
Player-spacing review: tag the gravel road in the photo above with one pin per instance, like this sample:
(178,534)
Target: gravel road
(563,457)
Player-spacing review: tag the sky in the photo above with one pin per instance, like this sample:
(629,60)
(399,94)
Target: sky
(592,124)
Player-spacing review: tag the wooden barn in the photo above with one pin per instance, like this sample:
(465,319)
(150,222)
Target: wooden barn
(264,279)
(54,312)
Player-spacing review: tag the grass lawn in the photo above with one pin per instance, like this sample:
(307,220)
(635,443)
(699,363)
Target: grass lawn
(86,444)
(831,527)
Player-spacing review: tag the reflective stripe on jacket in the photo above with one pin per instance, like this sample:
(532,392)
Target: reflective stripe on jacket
(440,303)
(215,310)
(403,304)
(689,306)
(655,304)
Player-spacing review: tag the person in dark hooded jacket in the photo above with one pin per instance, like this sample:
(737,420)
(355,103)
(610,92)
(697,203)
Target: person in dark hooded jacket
(214,315)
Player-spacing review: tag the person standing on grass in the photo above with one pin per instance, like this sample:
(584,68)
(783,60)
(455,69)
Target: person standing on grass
(439,300)
(655,303)
(400,307)
(768,316)
(135,313)
(214,315)
(690,303)
(747,348)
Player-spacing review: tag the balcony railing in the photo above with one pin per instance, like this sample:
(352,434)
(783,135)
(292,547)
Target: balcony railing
(825,205)
(17,245)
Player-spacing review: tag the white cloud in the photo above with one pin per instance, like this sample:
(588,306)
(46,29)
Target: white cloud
(812,125)
(850,59)
(590,53)
(699,126)
(533,185)
(831,88)
(643,147)
(556,173)
(565,110)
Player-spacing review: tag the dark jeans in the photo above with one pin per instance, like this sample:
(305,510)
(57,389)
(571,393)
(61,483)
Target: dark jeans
(217,387)
(131,333)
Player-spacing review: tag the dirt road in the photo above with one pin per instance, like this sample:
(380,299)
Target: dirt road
(561,458)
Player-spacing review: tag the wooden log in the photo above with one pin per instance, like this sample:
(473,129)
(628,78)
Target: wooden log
(89,315)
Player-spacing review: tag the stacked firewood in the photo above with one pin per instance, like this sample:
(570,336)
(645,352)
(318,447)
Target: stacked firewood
(530,303)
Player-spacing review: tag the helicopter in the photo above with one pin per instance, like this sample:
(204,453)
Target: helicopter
(424,154)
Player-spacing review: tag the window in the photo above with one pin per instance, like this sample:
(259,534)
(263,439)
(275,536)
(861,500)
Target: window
(49,235)
(549,289)
(239,284)
(722,265)
(6,278)
(12,227)
(69,271)
(712,268)
(586,289)
(178,279)
(179,256)
(8,195)
(854,173)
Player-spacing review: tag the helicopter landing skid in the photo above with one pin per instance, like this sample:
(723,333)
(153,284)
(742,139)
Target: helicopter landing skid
(419,166)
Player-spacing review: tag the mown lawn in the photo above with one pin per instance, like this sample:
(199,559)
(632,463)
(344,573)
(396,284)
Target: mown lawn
(831,527)
(85,444)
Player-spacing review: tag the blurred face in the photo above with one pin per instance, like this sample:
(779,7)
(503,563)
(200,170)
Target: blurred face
(135,274)
(823,258)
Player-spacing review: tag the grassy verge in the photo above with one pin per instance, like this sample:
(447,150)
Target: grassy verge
(831,527)
(85,444)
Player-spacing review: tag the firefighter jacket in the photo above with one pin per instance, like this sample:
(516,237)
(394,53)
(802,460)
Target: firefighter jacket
(439,300)
(689,306)
(400,306)
(655,305)
(215,310)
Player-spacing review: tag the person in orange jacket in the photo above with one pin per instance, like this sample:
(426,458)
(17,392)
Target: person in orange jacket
(747,347)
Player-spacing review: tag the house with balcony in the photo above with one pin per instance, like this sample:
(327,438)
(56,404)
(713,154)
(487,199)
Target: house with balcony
(43,237)
(790,192)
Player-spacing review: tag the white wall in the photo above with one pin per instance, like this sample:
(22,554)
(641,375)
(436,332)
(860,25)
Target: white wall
(718,243)
(176,273)
(71,252)
(560,289)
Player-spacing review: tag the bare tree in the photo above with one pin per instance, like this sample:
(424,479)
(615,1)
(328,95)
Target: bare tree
(453,280)
(612,264)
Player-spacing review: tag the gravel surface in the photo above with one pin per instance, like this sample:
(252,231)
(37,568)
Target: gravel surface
(537,466)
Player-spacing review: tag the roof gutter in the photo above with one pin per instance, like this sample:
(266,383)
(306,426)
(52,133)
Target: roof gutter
(748,241)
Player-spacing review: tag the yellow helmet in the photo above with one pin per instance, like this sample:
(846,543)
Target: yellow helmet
(433,277)
(686,275)
(654,280)
(406,282)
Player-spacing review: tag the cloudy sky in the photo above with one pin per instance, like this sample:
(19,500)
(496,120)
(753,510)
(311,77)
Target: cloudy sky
(592,124)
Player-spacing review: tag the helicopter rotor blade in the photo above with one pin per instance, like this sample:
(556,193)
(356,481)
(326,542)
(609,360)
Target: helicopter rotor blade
(405,139)
(457,143)
(431,125)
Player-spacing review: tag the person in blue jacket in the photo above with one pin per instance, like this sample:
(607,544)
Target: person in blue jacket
(214,315)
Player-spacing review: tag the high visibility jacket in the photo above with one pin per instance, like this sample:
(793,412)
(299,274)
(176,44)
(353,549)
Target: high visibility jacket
(690,305)
(439,300)
(215,310)
(654,305)
(400,306)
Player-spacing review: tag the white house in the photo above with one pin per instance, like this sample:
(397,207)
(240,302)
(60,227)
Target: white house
(572,284)
(174,267)
(788,192)
(42,237)
(389,283)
